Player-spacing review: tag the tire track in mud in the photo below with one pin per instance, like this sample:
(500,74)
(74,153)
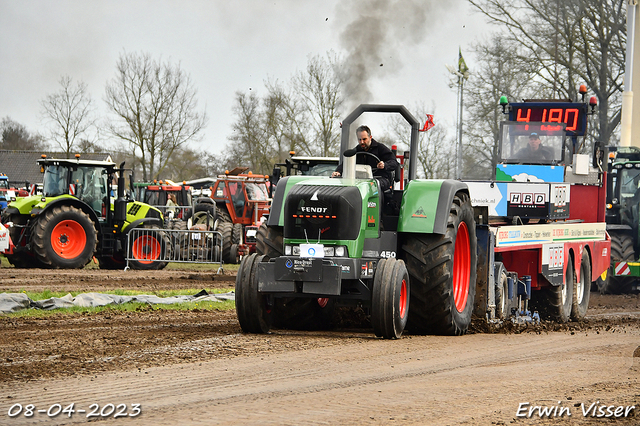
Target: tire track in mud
(346,381)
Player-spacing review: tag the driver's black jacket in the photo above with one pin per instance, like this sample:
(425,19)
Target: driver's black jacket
(383,153)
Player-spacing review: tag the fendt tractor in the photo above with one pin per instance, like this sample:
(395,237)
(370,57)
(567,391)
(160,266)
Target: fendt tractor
(425,256)
(76,218)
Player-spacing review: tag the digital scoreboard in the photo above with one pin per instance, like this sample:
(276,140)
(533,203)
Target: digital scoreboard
(573,114)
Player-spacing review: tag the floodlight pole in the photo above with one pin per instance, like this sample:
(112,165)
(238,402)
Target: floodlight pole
(459,162)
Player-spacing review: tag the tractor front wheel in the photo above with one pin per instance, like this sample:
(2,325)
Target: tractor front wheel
(64,237)
(254,315)
(390,299)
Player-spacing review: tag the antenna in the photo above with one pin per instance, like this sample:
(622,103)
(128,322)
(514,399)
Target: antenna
(305,235)
(319,232)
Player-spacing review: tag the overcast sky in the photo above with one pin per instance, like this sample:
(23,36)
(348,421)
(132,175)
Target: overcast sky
(234,45)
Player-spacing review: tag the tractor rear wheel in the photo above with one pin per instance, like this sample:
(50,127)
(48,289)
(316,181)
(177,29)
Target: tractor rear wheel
(554,303)
(621,251)
(236,234)
(148,249)
(390,299)
(269,241)
(203,213)
(582,290)
(64,237)
(442,270)
(253,313)
(226,229)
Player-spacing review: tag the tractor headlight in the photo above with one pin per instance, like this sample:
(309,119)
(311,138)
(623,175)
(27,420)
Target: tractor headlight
(287,250)
(296,250)
(341,251)
(329,251)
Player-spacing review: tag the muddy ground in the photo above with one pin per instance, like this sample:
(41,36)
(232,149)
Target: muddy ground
(124,347)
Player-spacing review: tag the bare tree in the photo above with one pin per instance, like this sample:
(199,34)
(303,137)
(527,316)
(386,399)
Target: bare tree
(156,110)
(302,116)
(318,90)
(70,115)
(16,137)
(566,43)
(249,145)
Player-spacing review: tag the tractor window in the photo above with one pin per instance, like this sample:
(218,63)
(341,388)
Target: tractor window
(91,186)
(152,198)
(256,192)
(55,181)
(237,197)
(4,184)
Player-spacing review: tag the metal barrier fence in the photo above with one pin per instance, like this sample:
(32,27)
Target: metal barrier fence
(147,247)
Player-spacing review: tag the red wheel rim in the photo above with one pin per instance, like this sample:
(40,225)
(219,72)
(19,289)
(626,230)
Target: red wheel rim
(461,267)
(323,302)
(68,239)
(146,249)
(403,298)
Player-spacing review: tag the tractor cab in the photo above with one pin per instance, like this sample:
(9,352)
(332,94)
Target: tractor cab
(87,181)
(244,197)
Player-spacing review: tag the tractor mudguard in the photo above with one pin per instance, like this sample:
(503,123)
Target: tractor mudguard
(66,200)
(23,205)
(419,213)
(142,222)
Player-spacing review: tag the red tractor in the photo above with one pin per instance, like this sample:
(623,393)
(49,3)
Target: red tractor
(241,200)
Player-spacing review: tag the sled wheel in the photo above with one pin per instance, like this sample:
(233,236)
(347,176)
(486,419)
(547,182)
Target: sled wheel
(390,299)
(582,290)
(554,303)
(502,291)
(253,313)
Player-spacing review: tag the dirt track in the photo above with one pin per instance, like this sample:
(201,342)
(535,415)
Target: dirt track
(198,368)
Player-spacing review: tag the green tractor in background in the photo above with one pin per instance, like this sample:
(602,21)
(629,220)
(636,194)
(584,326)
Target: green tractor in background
(76,218)
(623,217)
(407,257)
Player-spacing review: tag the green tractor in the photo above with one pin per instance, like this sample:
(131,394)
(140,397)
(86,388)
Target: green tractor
(623,218)
(407,257)
(76,218)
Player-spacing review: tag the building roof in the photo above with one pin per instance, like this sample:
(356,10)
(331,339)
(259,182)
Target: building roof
(21,166)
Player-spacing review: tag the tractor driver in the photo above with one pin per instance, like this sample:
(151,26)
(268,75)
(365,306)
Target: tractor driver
(381,170)
(535,151)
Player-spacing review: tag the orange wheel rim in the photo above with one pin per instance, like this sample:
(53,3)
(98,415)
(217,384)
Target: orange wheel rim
(68,239)
(461,267)
(403,298)
(146,249)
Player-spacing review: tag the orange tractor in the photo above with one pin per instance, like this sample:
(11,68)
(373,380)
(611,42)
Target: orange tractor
(241,200)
